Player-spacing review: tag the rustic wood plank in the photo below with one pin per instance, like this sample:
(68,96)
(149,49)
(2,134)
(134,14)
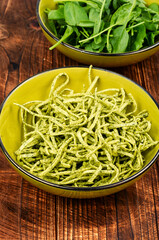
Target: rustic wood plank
(9,206)
(4,62)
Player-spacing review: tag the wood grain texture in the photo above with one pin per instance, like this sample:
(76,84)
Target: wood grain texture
(29,213)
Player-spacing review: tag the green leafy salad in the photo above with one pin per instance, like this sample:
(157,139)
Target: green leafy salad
(109,26)
(92,138)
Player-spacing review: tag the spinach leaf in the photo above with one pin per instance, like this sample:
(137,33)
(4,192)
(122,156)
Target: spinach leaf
(52,26)
(151,26)
(100,46)
(68,32)
(154,7)
(122,14)
(56,14)
(152,37)
(74,14)
(120,17)
(93,15)
(78,34)
(156,18)
(92,3)
(88,47)
(135,15)
(97,24)
(138,39)
(86,24)
(107,4)
(115,4)
(120,39)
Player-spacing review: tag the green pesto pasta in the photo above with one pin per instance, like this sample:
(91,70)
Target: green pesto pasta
(92,138)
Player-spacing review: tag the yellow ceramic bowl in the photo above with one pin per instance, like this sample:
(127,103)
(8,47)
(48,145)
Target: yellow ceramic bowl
(86,57)
(37,88)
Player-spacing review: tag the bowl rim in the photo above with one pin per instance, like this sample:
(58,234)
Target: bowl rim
(66,187)
(84,51)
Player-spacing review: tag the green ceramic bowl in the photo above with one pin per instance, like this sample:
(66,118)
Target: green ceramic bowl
(37,88)
(86,57)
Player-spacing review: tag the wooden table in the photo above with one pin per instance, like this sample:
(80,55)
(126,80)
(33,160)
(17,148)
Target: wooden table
(29,213)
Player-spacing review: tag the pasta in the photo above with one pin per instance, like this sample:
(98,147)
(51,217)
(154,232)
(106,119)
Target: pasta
(92,138)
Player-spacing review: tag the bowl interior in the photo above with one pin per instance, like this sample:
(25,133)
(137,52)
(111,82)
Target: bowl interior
(38,87)
(151,1)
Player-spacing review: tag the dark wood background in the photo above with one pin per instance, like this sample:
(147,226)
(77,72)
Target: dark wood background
(29,213)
